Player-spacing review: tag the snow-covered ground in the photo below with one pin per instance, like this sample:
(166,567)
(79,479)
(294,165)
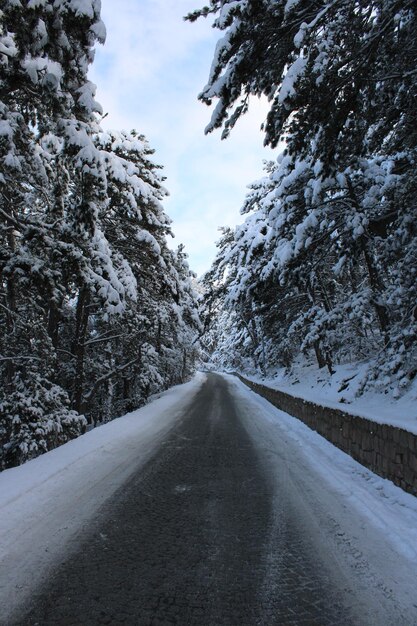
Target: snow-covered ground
(44,503)
(339,391)
(366,521)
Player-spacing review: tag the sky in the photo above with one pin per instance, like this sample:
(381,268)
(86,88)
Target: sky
(148,75)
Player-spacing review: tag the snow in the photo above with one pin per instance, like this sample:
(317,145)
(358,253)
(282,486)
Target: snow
(45,502)
(367,522)
(34,4)
(291,77)
(99,29)
(147,237)
(86,98)
(364,520)
(7,46)
(37,67)
(300,36)
(84,7)
(318,386)
(6,129)
(290,5)
(225,12)
(113,278)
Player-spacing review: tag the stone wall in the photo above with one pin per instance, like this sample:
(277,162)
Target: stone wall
(387,450)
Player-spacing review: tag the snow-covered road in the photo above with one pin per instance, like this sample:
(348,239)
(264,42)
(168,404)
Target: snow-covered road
(365,521)
(45,503)
(277,510)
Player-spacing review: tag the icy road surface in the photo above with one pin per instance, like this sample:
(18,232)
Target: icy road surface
(232,513)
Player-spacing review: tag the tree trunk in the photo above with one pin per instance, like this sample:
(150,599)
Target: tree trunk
(376,287)
(324,358)
(374,279)
(184,365)
(319,355)
(11,309)
(53,323)
(78,349)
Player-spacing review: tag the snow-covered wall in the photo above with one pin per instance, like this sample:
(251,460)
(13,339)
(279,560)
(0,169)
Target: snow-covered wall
(387,450)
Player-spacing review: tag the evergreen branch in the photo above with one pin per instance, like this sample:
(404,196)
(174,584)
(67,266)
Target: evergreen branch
(107,376)
(18,358)
(101,339)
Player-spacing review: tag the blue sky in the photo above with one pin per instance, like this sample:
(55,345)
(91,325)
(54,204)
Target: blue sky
(149,74)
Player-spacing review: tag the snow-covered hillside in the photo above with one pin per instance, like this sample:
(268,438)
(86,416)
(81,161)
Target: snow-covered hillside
(338,390)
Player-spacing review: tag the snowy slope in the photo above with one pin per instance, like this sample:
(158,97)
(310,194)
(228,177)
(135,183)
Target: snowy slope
(339,391)
(44,503)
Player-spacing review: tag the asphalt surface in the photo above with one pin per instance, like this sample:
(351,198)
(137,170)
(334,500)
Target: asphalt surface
(199,537)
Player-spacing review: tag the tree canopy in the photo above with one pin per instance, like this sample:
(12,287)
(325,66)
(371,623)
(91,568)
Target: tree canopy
(326,258)
(97,311)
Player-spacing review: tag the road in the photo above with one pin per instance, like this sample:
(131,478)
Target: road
(211,531)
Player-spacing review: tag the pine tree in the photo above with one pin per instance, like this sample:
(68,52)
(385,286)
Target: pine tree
(334,217)
(44,55)
(87,280)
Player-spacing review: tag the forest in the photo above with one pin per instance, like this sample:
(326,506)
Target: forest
(325,262)
(98,311)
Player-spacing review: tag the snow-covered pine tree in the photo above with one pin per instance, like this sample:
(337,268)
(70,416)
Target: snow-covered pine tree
(45,49)
(84,261)
(148,340)
(336,214)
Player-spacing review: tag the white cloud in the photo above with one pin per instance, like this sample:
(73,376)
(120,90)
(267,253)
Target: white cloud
(149,74)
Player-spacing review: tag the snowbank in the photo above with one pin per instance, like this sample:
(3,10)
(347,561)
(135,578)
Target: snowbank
(338,391)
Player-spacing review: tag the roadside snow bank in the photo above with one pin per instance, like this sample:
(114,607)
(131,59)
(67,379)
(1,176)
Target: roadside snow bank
(338,391)
(44,502)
